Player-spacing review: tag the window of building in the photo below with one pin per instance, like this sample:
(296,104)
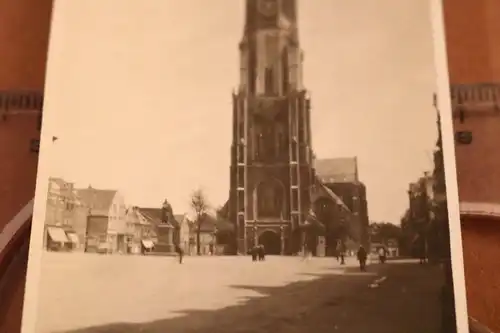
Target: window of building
(280,141)
(285,71)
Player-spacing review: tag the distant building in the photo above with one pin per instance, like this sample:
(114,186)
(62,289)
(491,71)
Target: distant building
(107,223)
(420,197)
(421,212)
(164,230)
(65,217)
(142,233)
(207,228)
(335,220)
(341,176)
(337,170)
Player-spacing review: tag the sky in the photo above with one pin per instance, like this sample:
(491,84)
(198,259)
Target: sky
(139,95)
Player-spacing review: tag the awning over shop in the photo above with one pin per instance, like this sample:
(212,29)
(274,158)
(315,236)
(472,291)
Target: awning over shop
(147,243)
(57,235)
(73,238)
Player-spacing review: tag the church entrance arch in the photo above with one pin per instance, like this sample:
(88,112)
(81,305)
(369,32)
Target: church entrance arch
(271,241)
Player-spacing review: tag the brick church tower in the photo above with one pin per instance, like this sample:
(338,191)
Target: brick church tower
(271,155)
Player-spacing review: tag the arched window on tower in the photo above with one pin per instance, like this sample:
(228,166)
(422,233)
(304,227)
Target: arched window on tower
(280,141)
(269,81)
(259,142)
(269,199)
(285,72)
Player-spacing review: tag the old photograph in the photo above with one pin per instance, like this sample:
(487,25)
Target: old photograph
(241,166)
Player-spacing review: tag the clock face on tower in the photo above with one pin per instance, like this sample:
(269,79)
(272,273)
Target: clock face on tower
(268,7)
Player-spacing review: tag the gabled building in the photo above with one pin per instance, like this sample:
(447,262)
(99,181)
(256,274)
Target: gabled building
(164,230)
(106,225)
(341,176)
(334,216)
(141,232)
(337,170)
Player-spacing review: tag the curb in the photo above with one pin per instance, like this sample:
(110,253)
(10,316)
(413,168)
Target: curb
(476,327)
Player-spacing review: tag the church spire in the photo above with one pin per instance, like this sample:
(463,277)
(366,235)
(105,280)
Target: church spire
(266,14)
(439,141)
(270,56)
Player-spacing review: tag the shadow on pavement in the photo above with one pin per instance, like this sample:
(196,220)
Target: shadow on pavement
(318,305)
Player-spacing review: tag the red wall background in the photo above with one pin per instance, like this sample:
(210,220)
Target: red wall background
(473,45)
(474,56)
(24,37)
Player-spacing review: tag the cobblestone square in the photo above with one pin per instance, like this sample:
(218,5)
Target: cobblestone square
(93,293)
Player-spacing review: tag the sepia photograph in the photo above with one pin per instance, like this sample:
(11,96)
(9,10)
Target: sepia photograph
(241,166)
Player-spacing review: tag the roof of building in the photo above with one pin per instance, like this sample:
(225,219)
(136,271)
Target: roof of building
(135,217)
(341,169)
(59,181)
(62,184)
(224,210)
(96,198)
(211,223)
(321,190)
(155,216)
(179,217)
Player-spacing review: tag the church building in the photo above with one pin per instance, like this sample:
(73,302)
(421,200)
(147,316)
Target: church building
(271,173)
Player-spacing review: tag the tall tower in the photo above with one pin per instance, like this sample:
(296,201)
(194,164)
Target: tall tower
(271,155)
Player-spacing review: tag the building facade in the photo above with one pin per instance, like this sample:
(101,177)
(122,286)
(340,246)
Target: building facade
(65,217)
(107,211)
(163,228)
(418,216)
(271,155)
(142,234)
(342,177)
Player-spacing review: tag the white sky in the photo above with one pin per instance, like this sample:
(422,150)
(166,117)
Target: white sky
(139,94)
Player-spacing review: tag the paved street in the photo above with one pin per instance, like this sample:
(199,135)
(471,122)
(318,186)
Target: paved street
(92,293)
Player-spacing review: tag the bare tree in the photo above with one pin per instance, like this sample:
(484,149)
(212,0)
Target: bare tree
(200,207)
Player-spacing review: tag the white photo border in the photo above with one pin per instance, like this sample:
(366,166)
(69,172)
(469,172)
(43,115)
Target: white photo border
(445,111)
(444,103)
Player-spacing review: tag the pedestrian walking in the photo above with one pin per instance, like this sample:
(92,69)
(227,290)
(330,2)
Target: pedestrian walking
(362,256)
(341,249)
(381,255)
(422,255)
(254,252)
(261,252)
(306,254)
(180,253)
(342,258)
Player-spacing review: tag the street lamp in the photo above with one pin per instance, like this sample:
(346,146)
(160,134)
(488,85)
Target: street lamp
(282,230)
(305,236)
(342,241)
(255,238)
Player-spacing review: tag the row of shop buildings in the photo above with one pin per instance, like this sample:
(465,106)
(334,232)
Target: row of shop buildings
(425,222)
(100,221)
